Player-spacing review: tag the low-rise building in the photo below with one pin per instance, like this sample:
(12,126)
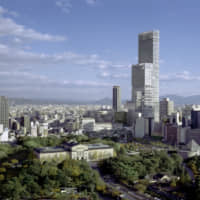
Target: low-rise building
(88,124)
(51,153)
(4,137)
(102,126)
(88,152)
(172,134)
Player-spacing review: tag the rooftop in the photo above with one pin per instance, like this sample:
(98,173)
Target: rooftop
(49,149)
(98,146)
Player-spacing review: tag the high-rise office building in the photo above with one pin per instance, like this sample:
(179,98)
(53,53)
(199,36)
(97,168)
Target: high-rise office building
(195,118)
(26,123)
(148,52)
(4,112)
(116,98)
(142,89)
(166,107)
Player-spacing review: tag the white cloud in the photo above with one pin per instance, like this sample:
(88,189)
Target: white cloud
(8,27)
(5,11)
(108,75)
(17,40)
(91,2)
(64,5)
(20,78)
(178,76)
(162,61)
(15,57)
(25,84)
(185,76)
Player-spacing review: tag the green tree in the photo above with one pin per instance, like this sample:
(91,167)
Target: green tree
(13,189)
(2,177)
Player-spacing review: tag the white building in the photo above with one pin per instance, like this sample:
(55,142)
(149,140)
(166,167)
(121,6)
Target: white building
(34,129)
(102,126)
(88,124)
(4,136)
(139,128)
(43,129)
(1,128)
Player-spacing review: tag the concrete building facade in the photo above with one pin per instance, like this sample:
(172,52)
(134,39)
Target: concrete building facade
(142,89)
(116,98)
(195,118)
(4,112)
(88,152)
(166,108)
(148,51)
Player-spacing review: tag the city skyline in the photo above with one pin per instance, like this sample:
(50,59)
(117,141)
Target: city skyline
(81,50)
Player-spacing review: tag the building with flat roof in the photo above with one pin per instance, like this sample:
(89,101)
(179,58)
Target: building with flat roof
(116,98)
(142,89)
(195,118)
(88,152)
(166,108)
(88,124)
(4,112)
(148,52)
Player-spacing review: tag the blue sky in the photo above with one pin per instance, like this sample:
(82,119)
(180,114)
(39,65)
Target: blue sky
(78,49)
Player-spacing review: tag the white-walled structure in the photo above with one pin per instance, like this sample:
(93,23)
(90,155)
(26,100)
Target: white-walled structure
(1,128)
(102,126)
(88,124)
(4,136)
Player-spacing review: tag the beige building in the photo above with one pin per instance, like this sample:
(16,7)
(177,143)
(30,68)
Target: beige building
(51,153)
(166,108)
(88,152)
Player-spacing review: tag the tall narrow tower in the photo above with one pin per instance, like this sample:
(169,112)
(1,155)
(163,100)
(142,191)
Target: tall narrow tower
(148,51)
(116,98)
(4,112)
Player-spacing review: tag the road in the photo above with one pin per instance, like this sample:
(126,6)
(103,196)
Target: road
(127,193)
(189,171)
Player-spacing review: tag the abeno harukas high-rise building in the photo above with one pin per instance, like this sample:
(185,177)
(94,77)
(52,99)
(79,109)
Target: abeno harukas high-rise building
(148,53)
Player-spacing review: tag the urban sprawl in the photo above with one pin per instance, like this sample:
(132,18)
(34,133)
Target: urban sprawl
(146,148)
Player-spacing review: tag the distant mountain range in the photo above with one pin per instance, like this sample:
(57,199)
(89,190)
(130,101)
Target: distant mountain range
(23,101)
(178,100)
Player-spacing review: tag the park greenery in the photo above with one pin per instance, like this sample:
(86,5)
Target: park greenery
(23,176)
(194,165)
(130,169)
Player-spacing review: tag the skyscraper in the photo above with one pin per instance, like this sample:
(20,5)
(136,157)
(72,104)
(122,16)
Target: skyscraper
(142,89)
(26,123)
(116,98)
(148,52)
(4,112)
(195,118)
(166,107)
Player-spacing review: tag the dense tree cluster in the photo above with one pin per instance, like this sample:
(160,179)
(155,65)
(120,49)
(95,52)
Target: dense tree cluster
(194,165)
(29,142)
(129,169)
(22,176)
(33,180)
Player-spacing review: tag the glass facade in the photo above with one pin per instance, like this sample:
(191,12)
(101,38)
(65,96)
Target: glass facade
(116,98)
(4,112)
(149,53)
